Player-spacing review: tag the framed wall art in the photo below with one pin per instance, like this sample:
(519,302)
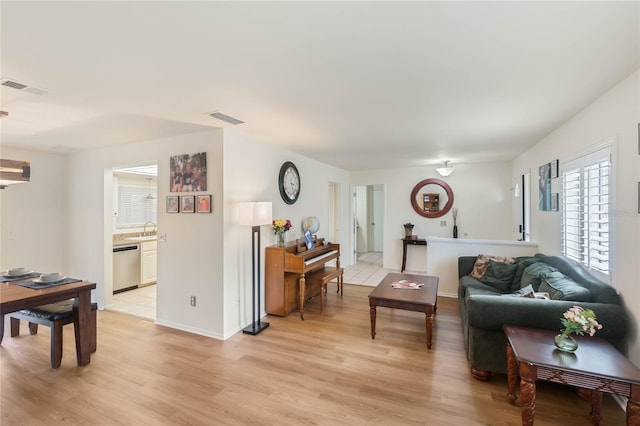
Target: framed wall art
(544,186)
(203,203)
(555,202)
(554,170)
(188,172)
(187,203)
(173,204)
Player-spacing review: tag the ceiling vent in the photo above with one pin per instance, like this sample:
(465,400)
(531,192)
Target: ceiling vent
(224,117)
(14,84)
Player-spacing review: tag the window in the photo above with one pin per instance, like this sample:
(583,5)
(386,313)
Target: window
(136,205)
(585,210)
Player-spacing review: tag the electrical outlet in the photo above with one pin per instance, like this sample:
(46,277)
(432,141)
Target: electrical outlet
(443,223)
(11,235)
(163,238)
(193,301)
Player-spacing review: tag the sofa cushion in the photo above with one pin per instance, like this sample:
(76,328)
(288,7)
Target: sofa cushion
(533,273)
(482,264)
(522,263)
(600,292)
(523,292)
(499,275)
(561,287)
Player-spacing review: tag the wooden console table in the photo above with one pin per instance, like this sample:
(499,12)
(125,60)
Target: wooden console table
(596,366)
(409,242)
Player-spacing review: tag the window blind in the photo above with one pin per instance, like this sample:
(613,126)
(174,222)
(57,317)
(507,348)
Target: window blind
(585,210)
(135,207)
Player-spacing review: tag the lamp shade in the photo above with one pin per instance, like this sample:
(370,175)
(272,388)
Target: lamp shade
(255,213)
(12,171)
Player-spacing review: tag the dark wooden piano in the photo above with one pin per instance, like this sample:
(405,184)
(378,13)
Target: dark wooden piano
(289,270)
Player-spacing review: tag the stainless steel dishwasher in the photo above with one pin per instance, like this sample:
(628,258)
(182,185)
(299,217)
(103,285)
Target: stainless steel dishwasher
(126,267)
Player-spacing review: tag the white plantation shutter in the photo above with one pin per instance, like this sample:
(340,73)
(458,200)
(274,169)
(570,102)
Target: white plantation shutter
(134,206)
(585,210)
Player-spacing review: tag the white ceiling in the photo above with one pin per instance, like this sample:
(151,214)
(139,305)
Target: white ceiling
(354,84)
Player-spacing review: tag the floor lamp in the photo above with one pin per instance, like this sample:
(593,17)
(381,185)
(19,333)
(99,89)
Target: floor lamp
(255,214)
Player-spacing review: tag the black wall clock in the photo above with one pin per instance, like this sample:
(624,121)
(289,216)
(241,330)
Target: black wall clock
(289,182)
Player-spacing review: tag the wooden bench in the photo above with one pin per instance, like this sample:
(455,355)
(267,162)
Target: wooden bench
(54,315)
(322,277)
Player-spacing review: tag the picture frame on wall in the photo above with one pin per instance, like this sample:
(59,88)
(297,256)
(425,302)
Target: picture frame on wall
(187,203)
(544,187)
(203,203)
(188,172)
(555,202)
(173,204)
(554,171)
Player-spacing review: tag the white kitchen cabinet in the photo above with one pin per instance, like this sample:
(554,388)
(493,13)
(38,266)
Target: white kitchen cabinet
(149,262)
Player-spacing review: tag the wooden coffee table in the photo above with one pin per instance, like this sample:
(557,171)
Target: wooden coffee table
(421,300)
(596,366)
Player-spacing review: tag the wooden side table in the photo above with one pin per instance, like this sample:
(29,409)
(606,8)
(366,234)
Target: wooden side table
(410,242)
(596,366)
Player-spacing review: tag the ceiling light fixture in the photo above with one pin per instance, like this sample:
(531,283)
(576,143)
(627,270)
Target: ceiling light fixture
(13,171)
(446,170)
(226,118)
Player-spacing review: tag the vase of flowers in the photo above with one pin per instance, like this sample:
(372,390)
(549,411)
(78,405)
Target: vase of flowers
(280,226)
(576,320)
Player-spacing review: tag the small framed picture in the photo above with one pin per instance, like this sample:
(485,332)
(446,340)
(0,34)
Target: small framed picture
(173,204)
(203,203)
(555,164)
(187,203)
(555,201)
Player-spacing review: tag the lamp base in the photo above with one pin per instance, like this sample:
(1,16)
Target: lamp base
(255,328)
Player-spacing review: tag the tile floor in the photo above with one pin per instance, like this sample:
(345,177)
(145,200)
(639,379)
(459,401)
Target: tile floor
(141,302)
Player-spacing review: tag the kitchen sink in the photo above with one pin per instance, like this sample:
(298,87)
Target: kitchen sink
(145,238)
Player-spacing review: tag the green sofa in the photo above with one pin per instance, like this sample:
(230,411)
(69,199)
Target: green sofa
(488,303)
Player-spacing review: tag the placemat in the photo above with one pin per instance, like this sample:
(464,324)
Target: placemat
(40,286)
(4,279)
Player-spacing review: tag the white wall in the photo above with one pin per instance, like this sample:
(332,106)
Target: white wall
(615,115)
(482,194)
(189,263)
(251,174)
(34,215)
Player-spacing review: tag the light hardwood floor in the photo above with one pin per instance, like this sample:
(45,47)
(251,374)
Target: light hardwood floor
(325,370)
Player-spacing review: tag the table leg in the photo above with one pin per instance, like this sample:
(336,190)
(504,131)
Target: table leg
(429,324)
(404,255)
(528,375)
(512,374)
(596,403)
(633,406)
(372,312)
(82,326)
(303,286)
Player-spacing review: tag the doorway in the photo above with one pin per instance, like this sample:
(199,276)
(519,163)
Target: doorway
(368,224)
(134,224)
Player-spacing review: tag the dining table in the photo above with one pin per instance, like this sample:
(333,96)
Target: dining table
(14,296)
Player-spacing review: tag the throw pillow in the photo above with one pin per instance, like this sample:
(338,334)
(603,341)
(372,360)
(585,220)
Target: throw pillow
(499,275)
(522,263)
(561,287)
(482,263)
(533,273)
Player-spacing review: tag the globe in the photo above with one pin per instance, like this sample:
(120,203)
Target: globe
(310,224)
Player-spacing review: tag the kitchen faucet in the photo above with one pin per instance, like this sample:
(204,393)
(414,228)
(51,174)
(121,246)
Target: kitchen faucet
(144,231)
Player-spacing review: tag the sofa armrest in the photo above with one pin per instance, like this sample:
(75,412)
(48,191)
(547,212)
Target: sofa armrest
(492,312)
(465,265)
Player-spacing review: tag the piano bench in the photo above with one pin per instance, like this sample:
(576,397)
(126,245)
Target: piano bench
(322,277)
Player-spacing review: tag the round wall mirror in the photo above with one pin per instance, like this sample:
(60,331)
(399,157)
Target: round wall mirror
(432,198)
